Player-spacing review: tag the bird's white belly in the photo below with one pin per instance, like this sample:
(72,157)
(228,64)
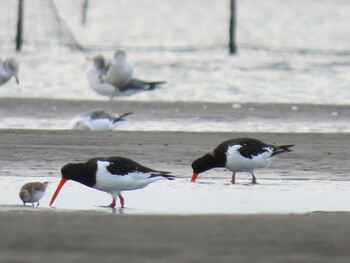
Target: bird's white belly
(99,85)
(120,74)
(104,88)
(4,77)
(238,163)
(37,196)
(101,124)
(105,181)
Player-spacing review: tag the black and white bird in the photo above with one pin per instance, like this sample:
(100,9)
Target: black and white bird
(239,155)
(112,175)
(97,120)
(32,192)
(9,68)
(103,79)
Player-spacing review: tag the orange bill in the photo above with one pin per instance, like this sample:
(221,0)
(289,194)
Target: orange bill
(194,177)
(62,182)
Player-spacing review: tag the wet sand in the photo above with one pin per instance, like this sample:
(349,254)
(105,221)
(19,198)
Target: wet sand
(91,237)
(87,236)
(50,108)
(40,152)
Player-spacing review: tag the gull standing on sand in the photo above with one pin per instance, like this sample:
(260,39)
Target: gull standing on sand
(104,78)
(239,155)
(32,192)
(8,68)
(97,120)
(112,175)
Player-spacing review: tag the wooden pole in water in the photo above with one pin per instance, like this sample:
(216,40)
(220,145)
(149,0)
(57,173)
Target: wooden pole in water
(19,25)
(84,11)
(232,45)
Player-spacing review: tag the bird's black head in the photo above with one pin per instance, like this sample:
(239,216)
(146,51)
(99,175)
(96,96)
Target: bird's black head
(203,164)
(69,171)
(79,172)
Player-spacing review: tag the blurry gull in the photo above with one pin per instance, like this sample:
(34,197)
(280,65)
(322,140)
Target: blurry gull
(120,71)
(8,68)
(97,120)
(99,77)
(32,192)
(95,73)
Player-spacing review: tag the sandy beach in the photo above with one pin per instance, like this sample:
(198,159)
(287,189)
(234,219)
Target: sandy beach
(287,84)
(43,234)
(91,237)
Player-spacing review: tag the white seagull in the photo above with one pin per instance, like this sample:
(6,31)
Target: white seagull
(120,71)
(8,68)
(97,120)
(104,78)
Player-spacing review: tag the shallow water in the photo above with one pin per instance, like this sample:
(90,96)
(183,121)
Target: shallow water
(207,196)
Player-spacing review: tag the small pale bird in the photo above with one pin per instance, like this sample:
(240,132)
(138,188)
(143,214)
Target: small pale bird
(33,192)
(239,155)
(8,68)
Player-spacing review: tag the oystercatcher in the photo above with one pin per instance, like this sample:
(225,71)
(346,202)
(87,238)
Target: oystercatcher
(104,80)
(239,155)
(8,68)
(112,175)
(32,192)
(98,120)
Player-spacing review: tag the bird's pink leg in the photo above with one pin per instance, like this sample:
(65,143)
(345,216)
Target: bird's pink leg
(253,178)
(112,205)
(233,180)
(121,200)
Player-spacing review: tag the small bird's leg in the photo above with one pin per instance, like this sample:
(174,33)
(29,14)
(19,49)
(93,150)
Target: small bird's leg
(121,199)
(253,178)
(37,205)
(233,180)
(33,204)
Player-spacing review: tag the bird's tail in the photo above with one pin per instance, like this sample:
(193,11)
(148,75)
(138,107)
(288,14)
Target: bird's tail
(281,149)
(163,174)
(153,85)
(121,117)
